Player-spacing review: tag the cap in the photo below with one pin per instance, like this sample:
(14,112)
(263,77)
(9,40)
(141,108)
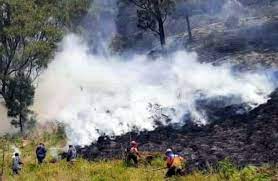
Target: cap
(168,150)
(133,143)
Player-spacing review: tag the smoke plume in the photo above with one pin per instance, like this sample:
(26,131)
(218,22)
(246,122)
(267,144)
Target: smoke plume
(93,95)
(16,150)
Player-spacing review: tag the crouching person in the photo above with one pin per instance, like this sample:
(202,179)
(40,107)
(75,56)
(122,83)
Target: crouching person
(71,154)
(174,164)
(16,164)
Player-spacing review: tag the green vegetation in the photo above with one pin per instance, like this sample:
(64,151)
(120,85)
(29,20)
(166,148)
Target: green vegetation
(115,169)
(19,97)
(29,33)
(153,14)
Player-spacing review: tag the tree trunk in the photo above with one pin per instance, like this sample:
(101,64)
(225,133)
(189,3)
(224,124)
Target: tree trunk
(3,89)
(188,28)
(161,33)
(160,23)
(21,123)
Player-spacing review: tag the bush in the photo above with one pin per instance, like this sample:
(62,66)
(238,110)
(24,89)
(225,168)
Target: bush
(227,170)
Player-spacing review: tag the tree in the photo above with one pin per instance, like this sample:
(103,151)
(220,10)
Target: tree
(20,95)
(71,12)
(28,37)
(190,38)
(29,33)
(183,11)
(152,15)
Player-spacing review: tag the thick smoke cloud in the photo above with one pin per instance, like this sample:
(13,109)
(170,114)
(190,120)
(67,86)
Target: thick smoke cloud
(94,95)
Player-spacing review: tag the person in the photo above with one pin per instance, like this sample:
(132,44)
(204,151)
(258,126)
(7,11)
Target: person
(41,153)
(174,163)
(133,153)
(71,154)
(16,164)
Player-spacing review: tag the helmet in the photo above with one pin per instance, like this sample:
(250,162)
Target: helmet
(133,143)
(169,150)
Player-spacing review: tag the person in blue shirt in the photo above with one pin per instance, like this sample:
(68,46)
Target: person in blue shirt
(41,153)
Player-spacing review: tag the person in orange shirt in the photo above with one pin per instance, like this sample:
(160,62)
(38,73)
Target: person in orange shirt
(174,163)
(133,153)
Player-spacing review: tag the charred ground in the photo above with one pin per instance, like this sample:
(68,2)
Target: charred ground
(251,138)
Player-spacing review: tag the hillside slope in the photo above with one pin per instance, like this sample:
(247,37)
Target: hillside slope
(251,138)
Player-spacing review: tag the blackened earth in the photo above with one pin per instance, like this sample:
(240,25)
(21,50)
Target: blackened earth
(249,138)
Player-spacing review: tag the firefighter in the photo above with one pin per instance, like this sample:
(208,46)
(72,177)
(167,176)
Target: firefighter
(16,164)
(41,153)
(133,153)
(174,163)
(71,154)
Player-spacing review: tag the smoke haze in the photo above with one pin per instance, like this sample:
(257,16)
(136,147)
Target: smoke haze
(93,95)
(4,121)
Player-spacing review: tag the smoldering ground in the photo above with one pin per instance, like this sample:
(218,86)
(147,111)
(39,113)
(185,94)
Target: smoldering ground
(95,95)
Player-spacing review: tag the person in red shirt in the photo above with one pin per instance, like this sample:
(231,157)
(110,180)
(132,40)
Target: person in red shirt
(133,153)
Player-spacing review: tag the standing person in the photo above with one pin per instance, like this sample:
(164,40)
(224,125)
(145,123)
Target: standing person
(16,164)
(174,163)
(133,153)
(41,153)
(71,154)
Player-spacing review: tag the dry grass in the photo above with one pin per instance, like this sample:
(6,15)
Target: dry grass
(116,169)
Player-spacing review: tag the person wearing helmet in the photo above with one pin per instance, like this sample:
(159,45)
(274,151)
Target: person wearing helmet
(133,153)
(174,163)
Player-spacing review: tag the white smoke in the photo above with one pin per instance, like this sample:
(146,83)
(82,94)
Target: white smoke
(15,150)
(6,126)
(54,152)
(233,8)
(93,95)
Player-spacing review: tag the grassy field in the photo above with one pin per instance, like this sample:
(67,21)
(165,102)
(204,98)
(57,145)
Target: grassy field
(115,169)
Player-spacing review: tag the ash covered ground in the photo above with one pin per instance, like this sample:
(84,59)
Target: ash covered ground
(250,138)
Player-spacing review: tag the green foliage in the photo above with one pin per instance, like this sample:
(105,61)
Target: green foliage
(20,95)
(251,173)
(152,15)
(158,162)
(228,171)
(29,33)
(71,12)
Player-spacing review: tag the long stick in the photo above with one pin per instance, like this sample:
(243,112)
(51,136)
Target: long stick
(157,169)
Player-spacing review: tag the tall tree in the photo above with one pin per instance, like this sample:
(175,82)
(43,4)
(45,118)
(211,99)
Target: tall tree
(190,38)
(29,33)
(71,12)
(20,96)
(28,37)
(183,11)
(152,15)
